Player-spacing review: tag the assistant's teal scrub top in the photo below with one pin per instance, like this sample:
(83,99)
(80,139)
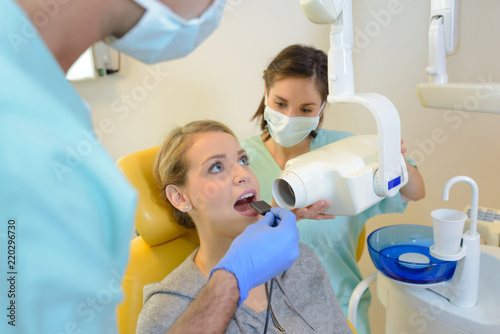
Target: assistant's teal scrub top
(334,240)
(65,210)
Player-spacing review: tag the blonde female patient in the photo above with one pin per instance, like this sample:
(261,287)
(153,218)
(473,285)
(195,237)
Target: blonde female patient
(206,181)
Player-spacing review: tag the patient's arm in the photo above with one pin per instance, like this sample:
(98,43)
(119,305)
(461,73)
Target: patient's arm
(212,309)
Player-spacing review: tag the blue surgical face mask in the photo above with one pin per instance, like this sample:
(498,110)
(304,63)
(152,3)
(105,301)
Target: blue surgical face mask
(289,131)
(162,35)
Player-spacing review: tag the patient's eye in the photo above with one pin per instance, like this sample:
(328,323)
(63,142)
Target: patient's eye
(216,167)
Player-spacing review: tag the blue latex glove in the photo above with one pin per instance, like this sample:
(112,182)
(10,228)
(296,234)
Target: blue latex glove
(262,251)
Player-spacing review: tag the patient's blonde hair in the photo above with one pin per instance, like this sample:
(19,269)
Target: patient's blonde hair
(171,164)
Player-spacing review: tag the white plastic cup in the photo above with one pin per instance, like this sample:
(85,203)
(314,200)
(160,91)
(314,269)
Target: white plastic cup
(448,229)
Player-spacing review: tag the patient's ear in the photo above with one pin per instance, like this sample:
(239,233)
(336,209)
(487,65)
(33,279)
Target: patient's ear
(178,198)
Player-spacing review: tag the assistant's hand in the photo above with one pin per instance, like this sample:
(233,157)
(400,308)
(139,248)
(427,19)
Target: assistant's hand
(414,190)
(313,211)
(403,149)
(262,251)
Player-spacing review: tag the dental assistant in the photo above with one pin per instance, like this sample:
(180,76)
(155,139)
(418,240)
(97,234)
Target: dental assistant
(66,212)
(290,115)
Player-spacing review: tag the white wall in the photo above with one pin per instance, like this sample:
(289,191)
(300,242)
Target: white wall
(222,80)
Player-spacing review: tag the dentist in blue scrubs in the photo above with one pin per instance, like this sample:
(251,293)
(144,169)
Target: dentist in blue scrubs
(66,212)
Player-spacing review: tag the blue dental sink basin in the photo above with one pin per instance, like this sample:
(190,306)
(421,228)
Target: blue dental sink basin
(401,252)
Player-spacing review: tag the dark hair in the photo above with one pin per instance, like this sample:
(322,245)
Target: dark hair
(171,164)
(295,61)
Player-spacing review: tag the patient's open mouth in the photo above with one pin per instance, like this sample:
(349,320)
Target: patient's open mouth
(242,205)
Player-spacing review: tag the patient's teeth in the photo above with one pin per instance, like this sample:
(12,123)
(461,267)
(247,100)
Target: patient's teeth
(247,195)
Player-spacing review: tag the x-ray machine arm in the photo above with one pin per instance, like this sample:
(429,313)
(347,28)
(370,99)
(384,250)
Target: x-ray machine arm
(390,175)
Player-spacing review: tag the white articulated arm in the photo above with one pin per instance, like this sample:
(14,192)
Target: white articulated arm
(392,173)
(338,13)
(443,37)
(444,34)
(323,11)
(449,11)
(437,52)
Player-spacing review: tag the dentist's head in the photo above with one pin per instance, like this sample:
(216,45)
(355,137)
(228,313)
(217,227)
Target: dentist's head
(296,90)
(161,34)
(148,30)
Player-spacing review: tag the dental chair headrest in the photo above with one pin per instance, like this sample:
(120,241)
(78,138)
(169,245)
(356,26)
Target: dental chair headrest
(154,222)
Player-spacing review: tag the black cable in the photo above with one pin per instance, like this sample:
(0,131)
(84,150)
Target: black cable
(262,207)
(268,305)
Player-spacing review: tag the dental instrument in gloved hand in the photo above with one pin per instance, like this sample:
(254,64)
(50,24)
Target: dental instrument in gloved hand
(262,208)
(262,251)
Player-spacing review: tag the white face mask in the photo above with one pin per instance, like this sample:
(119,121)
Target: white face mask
(162,35)
(289,131)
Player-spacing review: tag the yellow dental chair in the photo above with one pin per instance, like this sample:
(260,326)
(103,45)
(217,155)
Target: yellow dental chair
(162,244)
